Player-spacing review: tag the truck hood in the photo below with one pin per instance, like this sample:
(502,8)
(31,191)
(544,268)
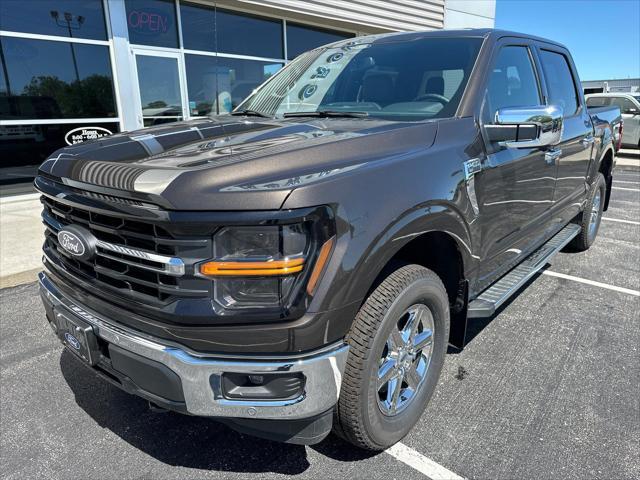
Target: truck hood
(231,163)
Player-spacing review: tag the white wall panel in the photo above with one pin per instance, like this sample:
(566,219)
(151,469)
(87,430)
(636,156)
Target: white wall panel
(378,15)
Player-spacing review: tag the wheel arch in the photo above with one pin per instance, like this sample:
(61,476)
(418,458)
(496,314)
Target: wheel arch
(436,237)
(605,166)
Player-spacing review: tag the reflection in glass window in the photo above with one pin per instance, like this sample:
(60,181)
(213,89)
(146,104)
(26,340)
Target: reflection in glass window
(562,90)
(64,18)
(24,147)
(380,79)
(55,80)
(624,104)
(218,85)
(303,38)
(512,83)
(159,89)
(198,26)
(244,34)
(598,101)
(152,22)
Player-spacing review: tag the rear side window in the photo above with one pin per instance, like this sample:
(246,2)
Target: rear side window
(624,103)
(598,101)
(513,82)
(562,90)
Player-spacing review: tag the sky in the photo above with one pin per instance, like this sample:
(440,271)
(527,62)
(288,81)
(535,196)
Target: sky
(603,36)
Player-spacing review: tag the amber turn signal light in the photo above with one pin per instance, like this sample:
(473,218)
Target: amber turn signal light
(323,256)
(245,269)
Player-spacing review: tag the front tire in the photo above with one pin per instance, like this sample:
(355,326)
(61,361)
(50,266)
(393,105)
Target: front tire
(589,219)
(397,344)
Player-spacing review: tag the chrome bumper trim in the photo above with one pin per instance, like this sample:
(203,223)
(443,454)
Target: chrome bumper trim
(201,375)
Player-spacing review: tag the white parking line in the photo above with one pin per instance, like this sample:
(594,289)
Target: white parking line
(628,291)
(628,189)
(624,181)
(621,221)
(421,463)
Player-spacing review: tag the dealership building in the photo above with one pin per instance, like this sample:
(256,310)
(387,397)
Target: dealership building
(79,69)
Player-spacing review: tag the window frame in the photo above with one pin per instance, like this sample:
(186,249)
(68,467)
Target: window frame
(543,46)
(86,41)
(116,20)
(181,50)
(497,49)
(105,19)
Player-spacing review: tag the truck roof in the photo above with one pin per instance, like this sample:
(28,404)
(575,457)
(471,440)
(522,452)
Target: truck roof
(490,33)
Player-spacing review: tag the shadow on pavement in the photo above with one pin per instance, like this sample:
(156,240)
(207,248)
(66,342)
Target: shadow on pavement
(186,441)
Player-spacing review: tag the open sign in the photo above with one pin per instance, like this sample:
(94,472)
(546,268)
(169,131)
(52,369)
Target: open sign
(149,21)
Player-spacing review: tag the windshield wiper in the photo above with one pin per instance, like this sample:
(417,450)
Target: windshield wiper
(250,113)
(327,113)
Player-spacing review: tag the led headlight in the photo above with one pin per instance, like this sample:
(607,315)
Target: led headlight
(264,267)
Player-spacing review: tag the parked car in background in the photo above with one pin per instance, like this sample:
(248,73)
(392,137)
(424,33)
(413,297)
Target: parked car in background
(629,104)
(303,263)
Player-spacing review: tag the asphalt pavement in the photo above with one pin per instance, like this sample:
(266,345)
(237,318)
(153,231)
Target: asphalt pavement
(547,389)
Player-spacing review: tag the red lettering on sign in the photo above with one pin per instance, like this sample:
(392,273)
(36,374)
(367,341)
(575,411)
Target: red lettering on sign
(148,21)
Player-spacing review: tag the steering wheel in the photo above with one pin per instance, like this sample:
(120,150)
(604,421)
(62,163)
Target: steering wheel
(431,96)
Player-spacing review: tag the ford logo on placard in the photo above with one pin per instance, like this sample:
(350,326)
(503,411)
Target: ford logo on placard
(71,340)
(71,243)
(77,241)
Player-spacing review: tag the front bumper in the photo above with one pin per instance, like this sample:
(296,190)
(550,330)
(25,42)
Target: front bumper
(201,375)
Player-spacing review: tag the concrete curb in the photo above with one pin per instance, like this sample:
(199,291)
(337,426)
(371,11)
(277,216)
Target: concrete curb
(20,278)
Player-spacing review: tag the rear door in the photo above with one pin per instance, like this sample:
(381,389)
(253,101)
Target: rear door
(515,187)
(573,154)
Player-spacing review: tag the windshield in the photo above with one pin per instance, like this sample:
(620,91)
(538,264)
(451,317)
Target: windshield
(403,80)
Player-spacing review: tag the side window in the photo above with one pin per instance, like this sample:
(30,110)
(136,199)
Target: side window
(513,82)
(562,89)
(598,101)
(624,103)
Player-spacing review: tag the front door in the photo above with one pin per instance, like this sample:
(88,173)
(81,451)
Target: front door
(515,187)
(161,92)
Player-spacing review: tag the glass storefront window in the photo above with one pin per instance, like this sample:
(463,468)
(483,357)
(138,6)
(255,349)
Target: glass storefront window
(198,27)
(217,85)
(24,147)
(159,84)
(152,22)
(301,38)
(244,34)
(47,79)
(64,18)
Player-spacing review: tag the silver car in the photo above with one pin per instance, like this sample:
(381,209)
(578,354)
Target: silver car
(629,104)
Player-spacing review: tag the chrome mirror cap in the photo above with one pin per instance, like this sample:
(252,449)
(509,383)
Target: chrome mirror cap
(548,119)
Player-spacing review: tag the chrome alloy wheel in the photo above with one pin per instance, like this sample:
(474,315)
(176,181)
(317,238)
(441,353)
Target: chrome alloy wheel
(594,220)
(405,359)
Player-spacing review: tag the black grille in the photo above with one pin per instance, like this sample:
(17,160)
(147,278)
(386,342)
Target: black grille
(124,263)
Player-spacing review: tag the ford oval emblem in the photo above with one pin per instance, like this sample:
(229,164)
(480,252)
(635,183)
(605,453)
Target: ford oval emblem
(82,134)
(71,243)
(71,340)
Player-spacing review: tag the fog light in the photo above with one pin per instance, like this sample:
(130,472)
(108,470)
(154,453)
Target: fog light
(268,386)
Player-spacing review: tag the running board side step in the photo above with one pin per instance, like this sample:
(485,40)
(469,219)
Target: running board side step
(486,304)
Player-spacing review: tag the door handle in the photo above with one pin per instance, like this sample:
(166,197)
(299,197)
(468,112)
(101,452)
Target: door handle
(588,141)
(550,156)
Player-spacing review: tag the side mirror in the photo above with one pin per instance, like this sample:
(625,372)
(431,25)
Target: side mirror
(526,127)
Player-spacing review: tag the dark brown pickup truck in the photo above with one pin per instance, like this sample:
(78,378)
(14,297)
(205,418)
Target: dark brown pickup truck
(303,263)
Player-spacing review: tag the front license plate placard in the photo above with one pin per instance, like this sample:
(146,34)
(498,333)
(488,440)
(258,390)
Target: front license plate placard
(77,335)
